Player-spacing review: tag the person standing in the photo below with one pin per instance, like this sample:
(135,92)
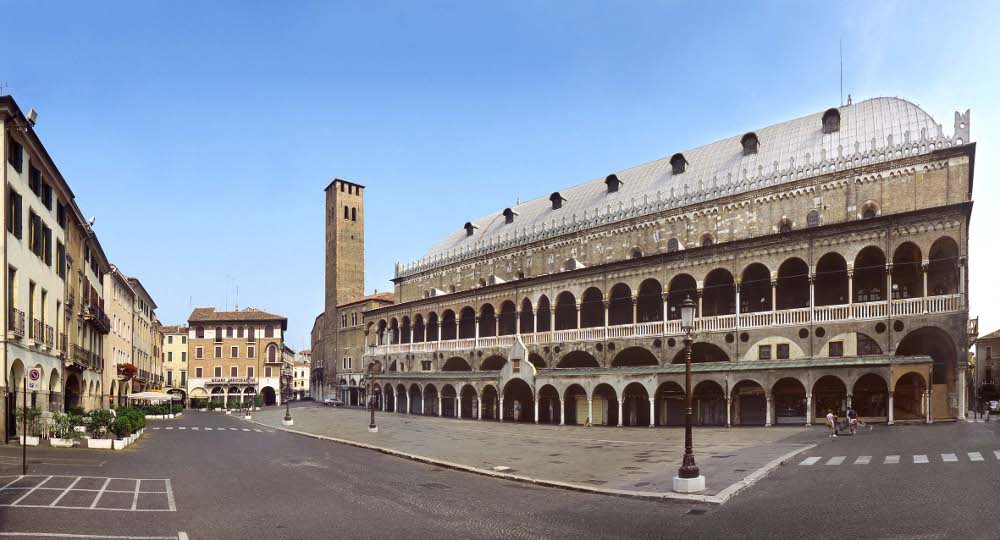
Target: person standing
(831,421)
(852,421)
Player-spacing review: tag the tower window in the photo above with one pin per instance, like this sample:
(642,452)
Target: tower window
(354,214)
(812,218)
(707,240)
(678,163)
(613,183)
(831,121)
(345,213)
(750,143)
(673,245)
(785,225)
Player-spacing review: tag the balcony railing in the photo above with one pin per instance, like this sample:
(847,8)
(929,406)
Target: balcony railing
(36,330)
(70,296)
(721,323)
(50,336)
(15,322)
(81,356)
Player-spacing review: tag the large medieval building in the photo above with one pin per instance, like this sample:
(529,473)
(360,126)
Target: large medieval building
(826,255)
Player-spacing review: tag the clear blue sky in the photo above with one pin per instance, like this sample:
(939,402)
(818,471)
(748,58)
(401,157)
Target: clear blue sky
(201,134)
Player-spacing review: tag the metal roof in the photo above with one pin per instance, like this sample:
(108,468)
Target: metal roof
(872,130)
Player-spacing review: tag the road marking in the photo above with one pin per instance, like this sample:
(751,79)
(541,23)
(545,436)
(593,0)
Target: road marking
(155,428)
(233,429)
(975,456)
(996,453)
(891,460)
(170,428)
(837,460)
(810,461)
(947,458)
(920,458)
(170,496)
(181,427)
(863,460)
(94,536)
(63,494)
(194,428)
(257,430)
(135,494)
(30,491)
(11,482)
(245,429)
(100,493)
(208,429)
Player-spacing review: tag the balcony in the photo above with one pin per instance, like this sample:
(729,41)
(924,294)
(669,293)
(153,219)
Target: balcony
(79,359)
(62,343)
(35,334)
(95,315)
(15,323)
(50,336)
(70,296)
(723,323)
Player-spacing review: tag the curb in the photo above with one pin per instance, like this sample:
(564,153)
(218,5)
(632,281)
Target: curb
(718,498)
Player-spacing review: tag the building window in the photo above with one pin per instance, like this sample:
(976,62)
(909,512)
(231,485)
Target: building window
(199,353)
(15,155)
(354,319)
(267,371)
(673,245)
(508,215)
(46,244)
(425,365)
(343,320)
(35,233)
(229,331)
(869,210)
(613,183)
(272,353)
(750,144)
(831,121)
(184,356)
(346,213)
(707,240)
(556,200)
(269,331)
(234,371)
(60,259)
(250,371)
(197,372)
(678,164)
(14,216)
(836,348)
(251,352)
(184,378)
(785,226)
(218,371)
(61,214)
(234,352)
(239,332)
(812,218)
(989,353)
(782,350)
(184,339)
(763,352)
(218,334)
(35,181)
(170,339)
(199,332)
(170,356)
(47,195)
(218,351)
(354,214)
(170,378)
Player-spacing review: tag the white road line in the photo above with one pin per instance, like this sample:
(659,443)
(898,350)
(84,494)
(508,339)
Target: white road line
(837,460)
(170,495)
(63,494)
(810,461)
(30,491)
(155,428)
(948,458)
(11,483)
(257,430)
(195,428)
(135,496)
(233,429)
(208,429)
(996,453)
(100,493)
(245,429)
(920,458)
(975,456)
(891,460)
(181,427)
(170,428)
(94,536)
(863,460)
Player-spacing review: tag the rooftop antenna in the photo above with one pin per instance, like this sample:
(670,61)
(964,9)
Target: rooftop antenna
(842,70)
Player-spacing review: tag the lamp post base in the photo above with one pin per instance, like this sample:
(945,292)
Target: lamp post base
(372,429)
(689,485)
(287,422)
(246,417)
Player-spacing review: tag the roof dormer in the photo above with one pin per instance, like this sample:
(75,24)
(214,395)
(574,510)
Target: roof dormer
(557,200)
(508,215)
(678,163)
(470,228)
(750,143)
(831,121)
(613,183)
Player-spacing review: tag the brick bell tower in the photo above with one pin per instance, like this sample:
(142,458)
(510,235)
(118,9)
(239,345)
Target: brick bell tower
(345,268)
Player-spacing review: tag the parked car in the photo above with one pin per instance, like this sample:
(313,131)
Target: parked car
(333,401)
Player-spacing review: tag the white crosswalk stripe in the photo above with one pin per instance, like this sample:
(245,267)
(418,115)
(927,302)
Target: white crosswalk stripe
(891,460)
(208,429)
(920,458)
(195,428)
(996,453)
(809,461)
(975,456)
(233,429)
(257,430)
(837,460)
(948,458)
(170,428)
(863,460)
(245,429)
(182,427)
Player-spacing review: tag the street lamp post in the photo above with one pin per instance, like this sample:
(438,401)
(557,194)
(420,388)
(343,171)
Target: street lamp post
(286,376)
(374,369)
(689,478)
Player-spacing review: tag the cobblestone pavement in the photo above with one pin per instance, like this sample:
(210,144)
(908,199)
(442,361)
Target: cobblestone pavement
(630,459)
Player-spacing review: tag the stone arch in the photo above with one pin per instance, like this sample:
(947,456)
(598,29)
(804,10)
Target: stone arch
(549,405)
(605,405)
(430,397)
(565,311)
(405,330)
(518,401)
(670,404)
(575,399)
(527,318)
(870,275)
(493,363)
(649,301)
(870,396)
(831,280)
(793,284)
(402,401)
(592,308)
(749,403)
(719,293)
(490,402)
(794,350)
(620,305)
(419,329)
(908,397)
(544,314)
(788,397)
(702,352)
(635,405)
(415,399)
(936,343)
(681,287)
(709,403)
(467,323)
(449,325)
(635,356)
(72,393)
(578,359)
(907,281)
(431,330)
(393,331)
(536,360)
(487,321)
(507,322)
(470,401)
(390,398)
(456,363)
(755,288)
(449,401)
(942,268)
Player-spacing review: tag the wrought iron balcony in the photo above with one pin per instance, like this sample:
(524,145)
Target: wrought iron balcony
(15,322)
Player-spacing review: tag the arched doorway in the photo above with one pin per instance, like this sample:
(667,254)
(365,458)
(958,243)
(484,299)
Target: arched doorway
(576,405)
(592,308)
(430,400)
(869,275)
(218,395)
(670,404)
(416,401)
(793,284)
(401,401)
(566,311)
(681,287)
(749,404)
(390,398)
(605,406)
(719,293)
(490,402)
(620,305)
(831,280)
(635,406)
(649,301)
(871,397)
(829,395)
(470,402)
(549,409)
(72,392)
(449,401)
(937,344)
(269,395)
(942,270)
(55,394)
(709,404)
(906,279)
(518,402)
(908,397)
(755,289)
(789,398)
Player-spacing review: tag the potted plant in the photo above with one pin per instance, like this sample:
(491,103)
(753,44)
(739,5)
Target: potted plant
(33,421)
(100,422)
(122,428)
(63,433)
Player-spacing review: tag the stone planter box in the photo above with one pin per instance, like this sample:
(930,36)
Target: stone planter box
(31,441)
(119,444)
(60,443)
(103,444)
(229,411)
(246,417)
(203,409)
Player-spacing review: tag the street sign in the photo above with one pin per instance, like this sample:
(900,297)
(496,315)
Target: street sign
(34,379)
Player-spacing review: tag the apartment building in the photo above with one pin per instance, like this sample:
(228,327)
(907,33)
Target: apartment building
(175,359)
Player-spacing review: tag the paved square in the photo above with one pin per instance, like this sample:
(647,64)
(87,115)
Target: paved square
(87,492)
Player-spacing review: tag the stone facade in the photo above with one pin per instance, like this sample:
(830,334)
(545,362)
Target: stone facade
(175,359)
(988,366)
(828,269)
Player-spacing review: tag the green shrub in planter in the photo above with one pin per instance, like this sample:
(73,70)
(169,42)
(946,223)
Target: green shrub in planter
(77,411)
(122,427)
(34,421)
(62,426)
(258,401)
(100,422)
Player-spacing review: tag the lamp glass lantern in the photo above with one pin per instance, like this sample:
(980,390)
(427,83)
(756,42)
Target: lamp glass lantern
(687,315)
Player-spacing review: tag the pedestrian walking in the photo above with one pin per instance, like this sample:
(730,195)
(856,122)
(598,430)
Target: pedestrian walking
(831,421)
(852,421)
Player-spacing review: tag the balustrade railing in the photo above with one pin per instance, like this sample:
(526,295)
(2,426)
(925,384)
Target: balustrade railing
(50,336)
(785,317)
(15,322)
